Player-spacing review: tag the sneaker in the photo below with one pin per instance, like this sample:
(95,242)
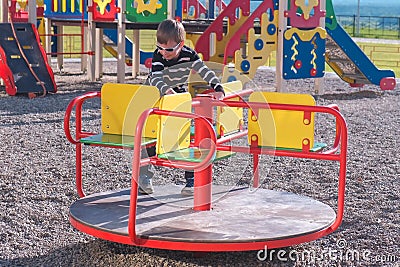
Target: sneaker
(146,184)
(188,190)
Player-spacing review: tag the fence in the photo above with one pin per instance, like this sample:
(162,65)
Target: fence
(385,56)
(371,26)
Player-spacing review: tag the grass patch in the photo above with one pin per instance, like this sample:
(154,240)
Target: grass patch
(374,33)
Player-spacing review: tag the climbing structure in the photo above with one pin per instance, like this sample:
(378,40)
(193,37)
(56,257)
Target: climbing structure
(309,37)
(23,63)
(211,44)
(248,50)
(240,38)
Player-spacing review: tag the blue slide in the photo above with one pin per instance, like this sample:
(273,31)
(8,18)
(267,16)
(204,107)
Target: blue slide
(113,36)
(347,59)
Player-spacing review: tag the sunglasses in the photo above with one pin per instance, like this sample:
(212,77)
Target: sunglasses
(168,49)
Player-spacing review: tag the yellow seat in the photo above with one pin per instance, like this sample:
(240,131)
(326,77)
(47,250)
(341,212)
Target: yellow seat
(173,140)
(121,106)
(174,132)
(230,119)
(282,129)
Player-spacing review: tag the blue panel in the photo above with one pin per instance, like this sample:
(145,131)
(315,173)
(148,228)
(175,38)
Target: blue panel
(304,59)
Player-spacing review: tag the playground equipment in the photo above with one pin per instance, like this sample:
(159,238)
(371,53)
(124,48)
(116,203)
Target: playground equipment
(23,62)
(347,59)
(302,47)
(240,38)
(216,218)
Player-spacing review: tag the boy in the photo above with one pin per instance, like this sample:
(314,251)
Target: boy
(171,65)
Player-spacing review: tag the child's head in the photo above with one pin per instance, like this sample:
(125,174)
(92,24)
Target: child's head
(170,30)
(170,38)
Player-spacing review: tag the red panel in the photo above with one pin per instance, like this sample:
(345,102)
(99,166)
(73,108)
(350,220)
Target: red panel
(6,74)
(299,21)
(217,27)
(234,43)
(109,14)
(198,246)
(17,15)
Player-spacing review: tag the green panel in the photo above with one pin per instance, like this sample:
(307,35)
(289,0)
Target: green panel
(193,154)
(317,147)
(114,140)
(330,17)
(145,16)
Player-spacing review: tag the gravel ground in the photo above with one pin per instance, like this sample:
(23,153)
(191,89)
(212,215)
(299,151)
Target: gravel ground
(37,183)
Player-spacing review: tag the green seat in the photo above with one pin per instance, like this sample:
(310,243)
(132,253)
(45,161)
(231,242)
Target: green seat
(193,154)
(124,141)
(316,148)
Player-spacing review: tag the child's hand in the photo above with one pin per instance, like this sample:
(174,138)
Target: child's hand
(217,95)
(170,91)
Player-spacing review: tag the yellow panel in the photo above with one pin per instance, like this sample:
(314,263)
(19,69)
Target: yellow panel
(55,5)
(282,128)
(229,71)
(255,56)
(174,133)
(22,4)
(121,106)
(305,35)
(219,46)
(230,118)
(151,6)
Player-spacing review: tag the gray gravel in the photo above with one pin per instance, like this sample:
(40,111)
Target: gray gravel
(37,183)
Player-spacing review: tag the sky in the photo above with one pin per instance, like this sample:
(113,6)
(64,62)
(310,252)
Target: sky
(387,3)
(367,7)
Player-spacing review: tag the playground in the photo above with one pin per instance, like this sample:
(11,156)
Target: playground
(37,183)
(294,165)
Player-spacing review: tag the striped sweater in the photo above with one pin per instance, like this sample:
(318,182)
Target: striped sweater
(175,73)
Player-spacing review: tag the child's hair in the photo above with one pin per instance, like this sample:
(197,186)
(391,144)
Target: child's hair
(170,29)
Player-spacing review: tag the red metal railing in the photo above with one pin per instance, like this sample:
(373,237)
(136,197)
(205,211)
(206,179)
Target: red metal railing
(338,152)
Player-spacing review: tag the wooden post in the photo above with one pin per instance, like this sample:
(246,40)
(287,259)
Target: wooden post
(91,40)
(320,82)
(60,46)
(84,57)
(99,53)
(47,25)
(4,11)
(121,42)
(32,17)
(135,53)
(282,24)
